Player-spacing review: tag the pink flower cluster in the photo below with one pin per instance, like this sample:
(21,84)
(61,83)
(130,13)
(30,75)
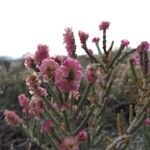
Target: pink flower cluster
(48,68)
(72,142)
(69,143)
(68,75)
(33,61)
(70,42)
(41,53)
(65,73)
(32,107)
(12,118)
(47,126)
(95,39)
(144,46)
(29,61)
(147,122)
(82,135)
(24,102)
(125,42)
(83,37)
(91,74)
(104,25)
(136,58)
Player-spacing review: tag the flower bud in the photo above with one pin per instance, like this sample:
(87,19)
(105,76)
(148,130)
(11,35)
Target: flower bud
(82,135)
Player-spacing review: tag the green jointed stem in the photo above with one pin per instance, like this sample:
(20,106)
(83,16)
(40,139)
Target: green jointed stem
(133,72)
(67,121)
(53,117)
(53,110)
(84,121)
(116,56)
(53,144)
(50,89)
(89,54)
(99,50)
(85,93)
(55,135)
(104,42)
(111,46)
(122,57)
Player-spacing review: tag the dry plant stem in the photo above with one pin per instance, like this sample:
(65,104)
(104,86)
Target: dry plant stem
(132,128)
(98,130)
(138,118)
(119,127)
(118,140)
(99,138)
(136,124)
(131,117)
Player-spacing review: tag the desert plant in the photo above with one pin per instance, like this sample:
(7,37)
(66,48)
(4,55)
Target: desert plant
(63,112)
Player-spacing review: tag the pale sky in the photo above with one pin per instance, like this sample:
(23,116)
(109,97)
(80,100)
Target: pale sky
(26,23)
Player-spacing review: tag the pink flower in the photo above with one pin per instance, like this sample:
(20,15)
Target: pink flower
(83,37)
(47,126)
(56,106)
(41,53)
(29,61)
(48,68)
(69,143)
(95,39)
(125,42)
(136,58)
(144,46)
(91,74)
(104,25)
(147,122)
(82,135)
(40,91)
(68,75)
(70,42)
(59,59)
(35,106)
(12,118)
(23,100)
